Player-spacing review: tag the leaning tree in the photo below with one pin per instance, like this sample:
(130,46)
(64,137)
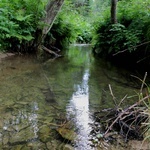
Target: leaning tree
(52,9)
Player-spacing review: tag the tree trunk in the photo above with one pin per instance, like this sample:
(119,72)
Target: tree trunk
(113,11)
(52,10)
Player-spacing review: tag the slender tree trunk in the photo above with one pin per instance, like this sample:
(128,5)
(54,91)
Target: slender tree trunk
(113,11)
(52,10)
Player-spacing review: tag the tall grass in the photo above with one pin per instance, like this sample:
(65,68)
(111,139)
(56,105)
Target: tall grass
(144,92)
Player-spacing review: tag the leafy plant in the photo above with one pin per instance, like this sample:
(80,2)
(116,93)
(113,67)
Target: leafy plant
(19,20)
(69,28)
(128,34)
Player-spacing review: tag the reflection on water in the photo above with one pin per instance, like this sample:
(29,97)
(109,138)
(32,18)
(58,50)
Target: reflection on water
(79,109)
(36,98)
(33,119)
(21,120)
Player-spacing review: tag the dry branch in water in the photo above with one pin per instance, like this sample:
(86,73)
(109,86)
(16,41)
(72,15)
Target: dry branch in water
(50,51)
(126,112)
(129,122)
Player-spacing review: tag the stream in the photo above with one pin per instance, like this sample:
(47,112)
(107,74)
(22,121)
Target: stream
(50,105)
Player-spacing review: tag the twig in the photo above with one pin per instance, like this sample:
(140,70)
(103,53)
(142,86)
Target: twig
(131,47)
(112,95)
(138,79)
(121,114)
(122,100)
(127,115)
(142,59)
(50,51)
(55,48)
(143,82)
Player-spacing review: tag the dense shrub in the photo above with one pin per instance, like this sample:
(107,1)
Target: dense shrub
(112,38)
(19,20)
(64,30)
(62,33)
(130,34)
(70,26)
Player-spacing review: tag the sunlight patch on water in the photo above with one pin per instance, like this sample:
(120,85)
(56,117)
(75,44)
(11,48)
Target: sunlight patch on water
(79,109)
(33,119)
(22,120)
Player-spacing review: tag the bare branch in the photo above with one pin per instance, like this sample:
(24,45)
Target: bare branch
(131,47)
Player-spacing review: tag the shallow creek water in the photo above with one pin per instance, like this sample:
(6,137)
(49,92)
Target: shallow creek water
(49,105)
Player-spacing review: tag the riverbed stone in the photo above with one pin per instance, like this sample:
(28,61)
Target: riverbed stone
(53,145)
(68,147)
(67,134)
(5,139)
(36,145)
(136,145)
(48,120)
(26,148)
(17,147)
(23,135)
(44,133)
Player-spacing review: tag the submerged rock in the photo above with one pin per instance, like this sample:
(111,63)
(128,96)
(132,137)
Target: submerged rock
(53,145)
(44,134)
(22,136)
(17,147)
(136,145)
(49,95)
(67,134)
(68,147)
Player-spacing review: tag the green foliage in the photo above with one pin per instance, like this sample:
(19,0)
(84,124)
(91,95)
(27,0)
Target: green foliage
(115,37)
(100,11)
(64,30)
(84,31)
(132,29)
(19,20)
(82,20)
(70,28)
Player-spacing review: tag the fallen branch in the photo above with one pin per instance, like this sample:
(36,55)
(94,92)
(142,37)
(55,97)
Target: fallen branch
(124,112)
(131,47)
(55,48)
(50,51)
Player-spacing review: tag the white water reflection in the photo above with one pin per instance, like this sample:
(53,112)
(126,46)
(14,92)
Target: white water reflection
(23,125)
(33,118)
(79,109)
